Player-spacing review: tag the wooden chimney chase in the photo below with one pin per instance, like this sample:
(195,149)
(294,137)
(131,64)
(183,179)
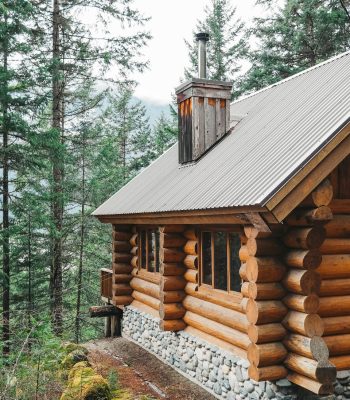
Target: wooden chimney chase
(204,116)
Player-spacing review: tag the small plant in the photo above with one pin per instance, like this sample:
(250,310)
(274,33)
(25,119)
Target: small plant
(113,380)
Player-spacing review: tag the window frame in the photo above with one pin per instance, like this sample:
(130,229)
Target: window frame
(156,251)
(210,287)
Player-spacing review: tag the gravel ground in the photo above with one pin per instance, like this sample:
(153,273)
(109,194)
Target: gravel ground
(141,372)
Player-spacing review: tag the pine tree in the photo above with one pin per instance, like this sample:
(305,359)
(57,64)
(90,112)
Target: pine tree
(299,35)
(227,44)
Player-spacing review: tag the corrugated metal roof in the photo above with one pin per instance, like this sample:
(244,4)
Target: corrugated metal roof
(285,125)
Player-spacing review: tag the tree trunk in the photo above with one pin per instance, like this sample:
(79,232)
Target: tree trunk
(81,249)
(57,172)
(5,222)
(30,280)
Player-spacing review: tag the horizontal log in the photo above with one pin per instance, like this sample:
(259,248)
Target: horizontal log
(105,311)
(213,340)
(305,304)
(322,371)
(135,262)
(145,308)
(121,289)
(191,262)
(221,331)
(134,251)
(271,373)
(122,236)
(122,257)
(335,266)
(121,246)
(122,300)
(171,240)
(305,324)
(305,217)
(243,272)
(314,348)
(172,325)
(341,363)
(225,316)
(243,253)
(338,345)
(171,311)
(305,238)
(302,281)
(149,288)
(172,269)
(335,246)
(323,194)
(334,306)
(265,312)
(310,384)
(303,259)
(170,255)
(171,229)
(265,291)
(191,275)
(264,247)
(245,289)
(190,234)
(264,355)
(134,240)
(146,275)
(266,333)
(168,283)
(339,226)
(334,287)
(336,325)
(191,247)
(250,231)
(220,298)
(122,278)
(122,228)
(174,296)
(265,269)
(122,268)
(146,299)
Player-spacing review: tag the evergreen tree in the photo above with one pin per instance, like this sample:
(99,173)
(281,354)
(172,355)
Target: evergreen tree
(299,35)
(227,44)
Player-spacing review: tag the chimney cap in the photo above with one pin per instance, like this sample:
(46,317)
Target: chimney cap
(202,36)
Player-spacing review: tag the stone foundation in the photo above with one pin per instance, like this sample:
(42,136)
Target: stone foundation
(218,371)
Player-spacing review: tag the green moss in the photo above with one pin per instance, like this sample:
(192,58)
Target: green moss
(68,347)
(85,384)
(73,358)
(77,369)
(121,394)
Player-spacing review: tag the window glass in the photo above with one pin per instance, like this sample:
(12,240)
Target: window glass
(206,258)
(157,263)
(235,262)
(151,249)
(220,261)
(143,249)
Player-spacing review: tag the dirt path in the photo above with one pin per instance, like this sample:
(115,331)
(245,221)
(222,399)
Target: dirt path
(141,372)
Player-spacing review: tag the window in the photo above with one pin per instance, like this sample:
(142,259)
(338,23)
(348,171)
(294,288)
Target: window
(220,261)
(149,249)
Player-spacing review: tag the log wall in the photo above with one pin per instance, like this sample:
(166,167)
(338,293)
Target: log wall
(121,258)
(262,272)
(308,356)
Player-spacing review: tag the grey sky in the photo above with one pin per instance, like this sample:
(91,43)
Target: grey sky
(171,23)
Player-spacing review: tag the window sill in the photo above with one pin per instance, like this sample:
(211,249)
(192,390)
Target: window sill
(225,297)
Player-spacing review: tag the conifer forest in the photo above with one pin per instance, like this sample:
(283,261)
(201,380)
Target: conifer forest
(72,133)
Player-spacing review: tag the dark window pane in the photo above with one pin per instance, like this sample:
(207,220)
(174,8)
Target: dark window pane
(206,258)
(143,249)
(151,247)
(220,261)
(157,249)
(235,262)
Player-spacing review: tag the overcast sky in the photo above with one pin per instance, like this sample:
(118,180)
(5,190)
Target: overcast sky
(172,22)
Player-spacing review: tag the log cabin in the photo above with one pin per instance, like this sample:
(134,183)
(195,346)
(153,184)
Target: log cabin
(231,252)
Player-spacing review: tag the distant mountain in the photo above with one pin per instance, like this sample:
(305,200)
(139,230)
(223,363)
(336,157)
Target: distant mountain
(154,110)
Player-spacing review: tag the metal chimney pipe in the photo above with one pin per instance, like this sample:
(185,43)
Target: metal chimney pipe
(202,39)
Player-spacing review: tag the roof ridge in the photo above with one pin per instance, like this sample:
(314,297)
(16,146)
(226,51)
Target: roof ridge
(329,60)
